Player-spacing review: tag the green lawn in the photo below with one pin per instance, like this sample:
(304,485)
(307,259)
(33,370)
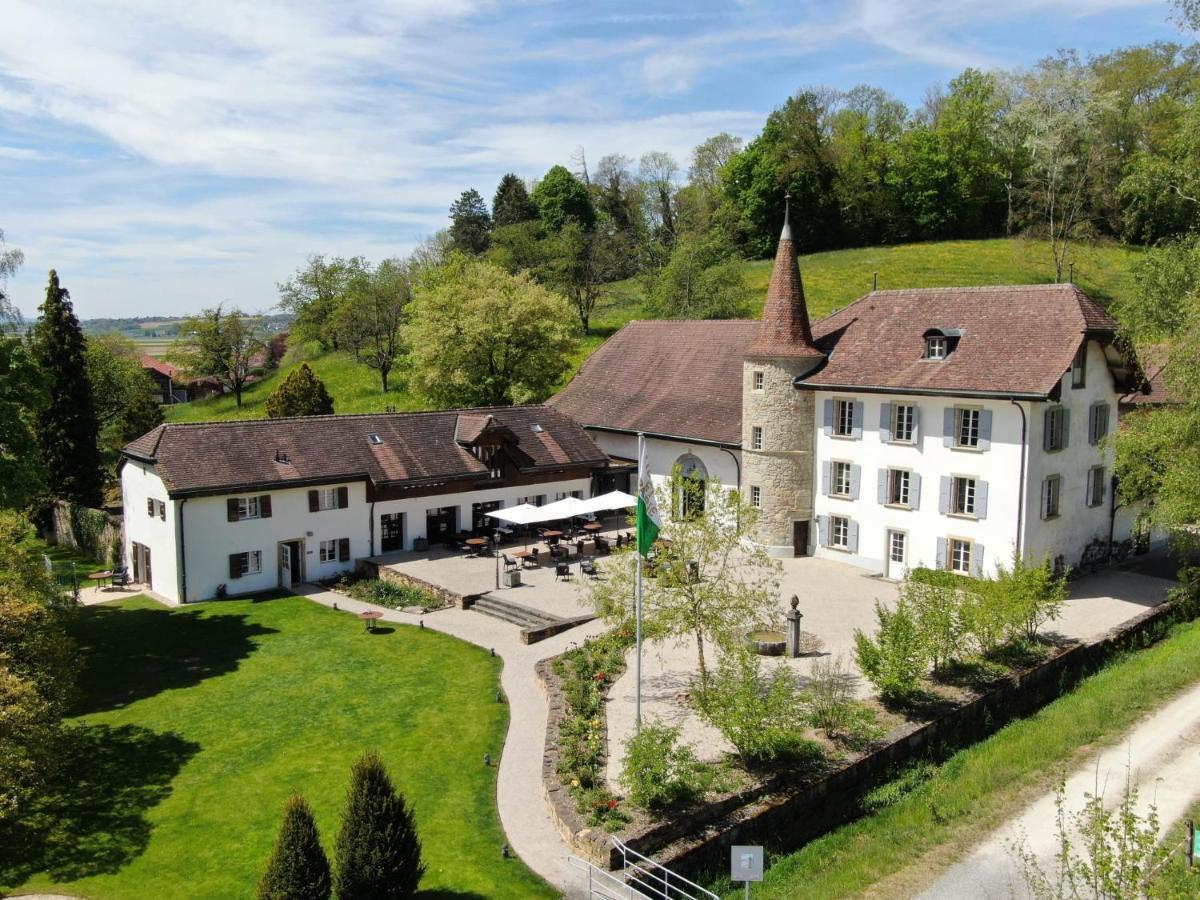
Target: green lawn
(198,723)
(831,281)
(942,816)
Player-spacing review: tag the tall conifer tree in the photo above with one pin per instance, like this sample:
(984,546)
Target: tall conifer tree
(66,425)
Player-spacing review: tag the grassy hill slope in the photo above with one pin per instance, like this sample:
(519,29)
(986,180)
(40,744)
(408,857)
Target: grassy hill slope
(831,280)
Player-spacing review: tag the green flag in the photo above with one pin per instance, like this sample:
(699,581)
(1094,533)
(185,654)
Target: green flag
(648,522)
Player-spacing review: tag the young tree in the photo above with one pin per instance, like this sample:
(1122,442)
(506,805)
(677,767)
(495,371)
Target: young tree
(470,223)
(66,425)
(560,198)
(219,344)
(482,337)
(708,585)
(378,850)
(122,392)
(302,393)
(298,868)
(512,205)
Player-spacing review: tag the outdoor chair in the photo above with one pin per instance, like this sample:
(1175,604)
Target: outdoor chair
(562,570)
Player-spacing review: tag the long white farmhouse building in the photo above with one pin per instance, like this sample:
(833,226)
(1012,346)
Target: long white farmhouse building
(230,508)
(942,427)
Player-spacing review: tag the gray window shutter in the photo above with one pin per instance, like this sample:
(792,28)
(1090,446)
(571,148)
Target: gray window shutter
(1066,420)
(985,429)
(885,421)
(948,426)
(944,495)
(882,492)
(826,475)
(977,559)
(981,492)
(941,553)
(1047,434)
(916,420)
(856,420)
(828,426)
(855,481)
(914,490)
(823,530)
(852,537)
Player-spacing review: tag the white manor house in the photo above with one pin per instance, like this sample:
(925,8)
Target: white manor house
(942,427)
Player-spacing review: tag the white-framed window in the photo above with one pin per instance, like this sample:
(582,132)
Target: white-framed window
(327,498)
(936,346)
(249,508)
(756,437)
(756,496)
(899,487)
(963,491)
(1098,423)
(1079,367)
(1056,419)
(966,427)
(1096,486)
(843,418)
(960,555)
(839,532)
(904,421)
(329,551)
(759,379)
(1051,496)
(841,479)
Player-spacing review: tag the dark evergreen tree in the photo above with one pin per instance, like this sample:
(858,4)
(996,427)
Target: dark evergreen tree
(512,205)
(301,394)
(298,868)
(562,198)
(378,850)
(66,424)
(470,223)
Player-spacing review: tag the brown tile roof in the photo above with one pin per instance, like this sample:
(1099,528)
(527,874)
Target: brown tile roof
(212,457)
(784,331)
(671,377)
(1016,339)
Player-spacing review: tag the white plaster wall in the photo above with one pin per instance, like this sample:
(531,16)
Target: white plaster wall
(1077,524)
(210,539)
(414,509)
(662,454)
(140,482)
(999,466)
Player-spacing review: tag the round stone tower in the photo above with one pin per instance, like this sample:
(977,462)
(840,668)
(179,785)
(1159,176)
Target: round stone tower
(778,420)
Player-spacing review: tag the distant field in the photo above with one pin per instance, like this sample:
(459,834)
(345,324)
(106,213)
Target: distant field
(831,281)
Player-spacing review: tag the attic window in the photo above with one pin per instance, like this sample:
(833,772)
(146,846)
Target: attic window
(374,438)
(536,428)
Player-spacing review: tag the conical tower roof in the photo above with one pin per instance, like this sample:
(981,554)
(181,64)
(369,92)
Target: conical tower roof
(784,332)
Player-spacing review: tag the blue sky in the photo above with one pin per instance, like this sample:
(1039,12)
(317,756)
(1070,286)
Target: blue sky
(166,155)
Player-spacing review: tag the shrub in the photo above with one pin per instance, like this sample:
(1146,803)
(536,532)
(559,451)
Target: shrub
(897,658)
(660,772)
(759,714)
(298,868)
(833,708)
(378,851)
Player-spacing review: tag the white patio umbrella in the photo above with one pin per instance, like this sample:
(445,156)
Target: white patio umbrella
(611,500)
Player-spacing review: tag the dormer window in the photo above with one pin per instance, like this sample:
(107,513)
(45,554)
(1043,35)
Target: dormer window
(936,346)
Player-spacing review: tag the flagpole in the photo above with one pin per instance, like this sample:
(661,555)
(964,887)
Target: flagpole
(637,603)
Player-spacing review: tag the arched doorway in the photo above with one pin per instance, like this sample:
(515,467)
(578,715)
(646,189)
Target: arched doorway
(692,485)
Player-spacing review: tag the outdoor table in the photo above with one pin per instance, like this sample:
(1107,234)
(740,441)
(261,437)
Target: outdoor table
(102,577)
(369,617)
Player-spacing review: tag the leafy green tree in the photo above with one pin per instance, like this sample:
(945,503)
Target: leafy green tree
(302,393)
(66,425)
(314,292)
(511,204)
(708,586)
(122,392)
(701,280)
(298,868)
(221,345)
(482,337)
(470,223)
(560,198)
(378,850)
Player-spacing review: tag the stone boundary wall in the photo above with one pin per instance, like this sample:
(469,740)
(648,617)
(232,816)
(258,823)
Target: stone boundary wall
(786,815)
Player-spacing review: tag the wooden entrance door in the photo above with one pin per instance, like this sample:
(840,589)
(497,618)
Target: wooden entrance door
(800,538)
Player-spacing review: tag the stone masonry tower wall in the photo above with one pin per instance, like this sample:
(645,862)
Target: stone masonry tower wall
(782,466)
